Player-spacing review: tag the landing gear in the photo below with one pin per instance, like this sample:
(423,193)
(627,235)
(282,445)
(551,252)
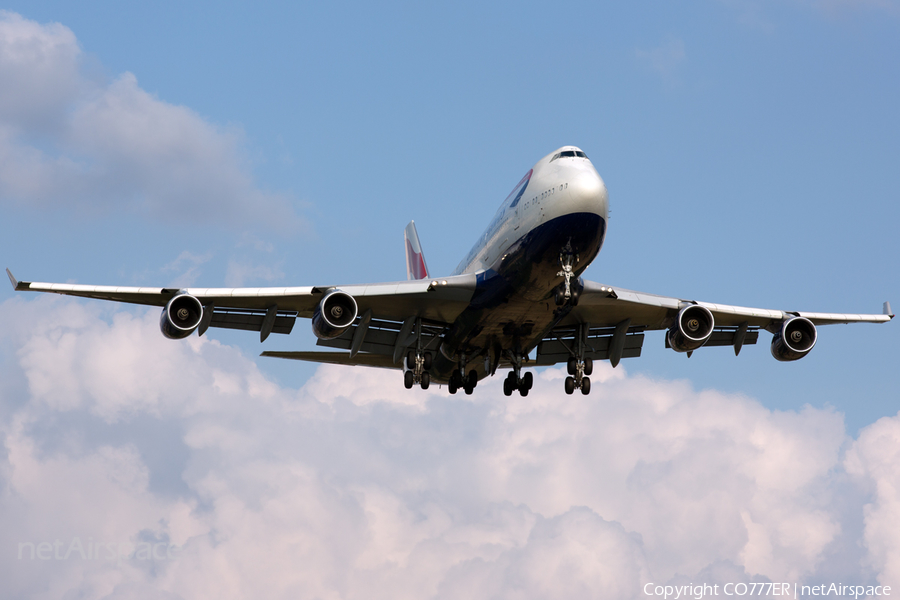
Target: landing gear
(459,378)
(418,363)
(516,380)
(513,383)
(566,292)
(579,367)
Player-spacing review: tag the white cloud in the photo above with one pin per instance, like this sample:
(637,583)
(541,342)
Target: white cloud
(67,141)
(353,487)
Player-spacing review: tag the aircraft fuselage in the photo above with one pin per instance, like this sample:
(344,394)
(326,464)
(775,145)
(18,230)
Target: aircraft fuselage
(557,213)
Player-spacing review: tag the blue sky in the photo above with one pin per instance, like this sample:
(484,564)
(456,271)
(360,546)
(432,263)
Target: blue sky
(750,149)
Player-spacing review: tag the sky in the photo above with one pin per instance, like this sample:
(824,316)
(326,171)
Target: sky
(750,149)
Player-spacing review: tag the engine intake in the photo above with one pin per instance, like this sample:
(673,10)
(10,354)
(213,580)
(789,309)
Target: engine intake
(795,339)
(692,328)
(180,317)
(334,314)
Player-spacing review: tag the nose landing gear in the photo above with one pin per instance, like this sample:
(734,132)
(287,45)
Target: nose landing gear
(566,292)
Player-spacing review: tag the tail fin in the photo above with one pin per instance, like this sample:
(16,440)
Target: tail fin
(415,260)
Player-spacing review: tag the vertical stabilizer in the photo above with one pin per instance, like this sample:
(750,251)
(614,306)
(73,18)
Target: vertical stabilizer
(415,260)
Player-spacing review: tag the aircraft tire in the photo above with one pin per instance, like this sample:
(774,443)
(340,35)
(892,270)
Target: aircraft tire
(570,385)
(472,380)
(451,386)
(411,360)
(588,366)
(429,360)
(426,381)
(528,380)
(571,366)
(585,385)
(408,380)
(507,387)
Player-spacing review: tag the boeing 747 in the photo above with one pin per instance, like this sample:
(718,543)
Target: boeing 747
(516,300)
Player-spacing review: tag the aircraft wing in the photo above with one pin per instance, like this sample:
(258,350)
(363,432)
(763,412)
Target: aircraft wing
(605,305)
(439,301)
(616,319)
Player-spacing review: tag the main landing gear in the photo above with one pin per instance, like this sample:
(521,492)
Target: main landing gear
(458,379)
(418,364)
(513,382)
(516,380)
(578,375)
(579,366)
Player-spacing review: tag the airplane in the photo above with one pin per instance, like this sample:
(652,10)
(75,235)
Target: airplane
(518,291)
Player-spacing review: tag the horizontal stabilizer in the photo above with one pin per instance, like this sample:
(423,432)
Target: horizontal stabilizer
(339,358)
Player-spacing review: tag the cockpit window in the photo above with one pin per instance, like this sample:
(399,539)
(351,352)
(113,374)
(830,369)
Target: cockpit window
(569,154)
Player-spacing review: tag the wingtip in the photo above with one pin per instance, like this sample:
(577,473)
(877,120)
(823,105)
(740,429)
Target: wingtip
(887,309)
(12,279)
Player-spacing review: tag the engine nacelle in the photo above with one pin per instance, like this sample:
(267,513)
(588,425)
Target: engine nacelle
(334,314)
(795,339)
(180,317)
(692,328)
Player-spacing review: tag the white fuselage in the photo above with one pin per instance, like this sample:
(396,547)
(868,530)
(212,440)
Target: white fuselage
(553,188)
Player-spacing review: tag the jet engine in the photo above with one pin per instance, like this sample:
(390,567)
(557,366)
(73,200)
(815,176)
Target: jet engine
(795,339)
(180,317)
(333,315)
(692,328)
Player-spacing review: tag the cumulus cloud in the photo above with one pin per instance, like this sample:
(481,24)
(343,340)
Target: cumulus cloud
(353,487)
(68,141)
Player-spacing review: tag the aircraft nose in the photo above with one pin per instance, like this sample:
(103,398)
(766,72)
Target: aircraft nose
(589,192)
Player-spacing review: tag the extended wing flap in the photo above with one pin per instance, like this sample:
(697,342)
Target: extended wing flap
(251,320)
(381,337)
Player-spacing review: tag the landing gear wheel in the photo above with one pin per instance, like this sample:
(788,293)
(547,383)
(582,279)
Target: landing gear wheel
(408,380)
(427,362)
(451,386)
(585,385)
(426,380)
(571,366)
(411,360)
(507,388)
(472,381)
(527,380)
(570,385)
(523,391)
(469,390)
(559,297)
(588,366)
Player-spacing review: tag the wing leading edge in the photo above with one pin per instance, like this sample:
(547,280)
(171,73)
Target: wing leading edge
(438,301)
(604,305)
